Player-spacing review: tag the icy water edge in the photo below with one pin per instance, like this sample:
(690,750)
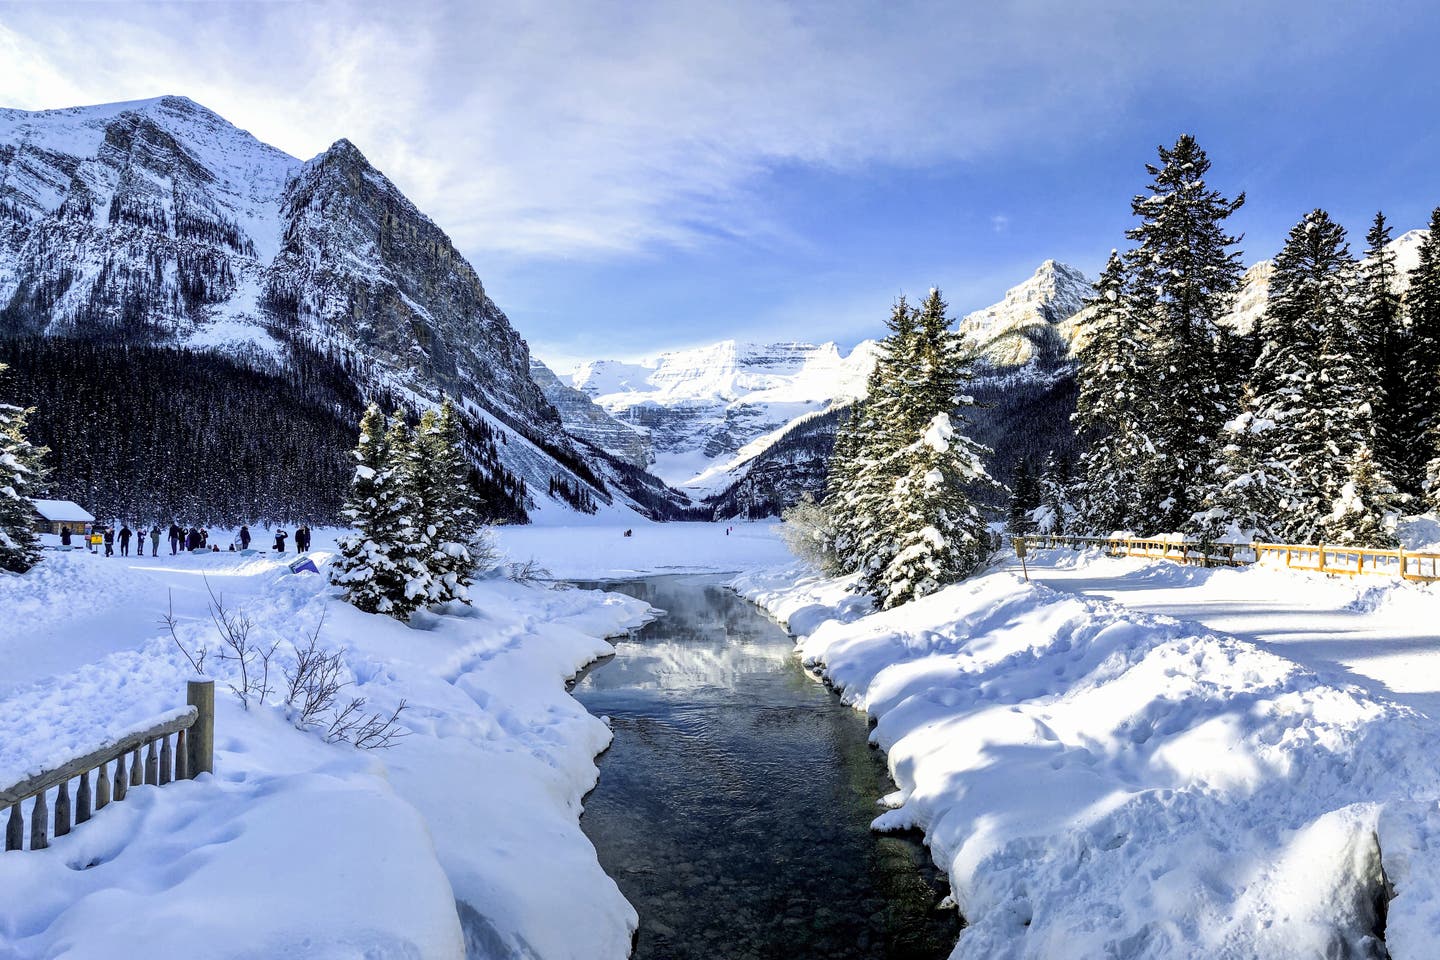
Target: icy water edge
(734,805)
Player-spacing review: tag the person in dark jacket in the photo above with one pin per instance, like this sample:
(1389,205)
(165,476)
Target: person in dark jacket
(244,537)
(174,538)
(109,541)
(125,535)
(280,536)
(140,541)
(64,536)
(302,539)
(192,541)
(155,540)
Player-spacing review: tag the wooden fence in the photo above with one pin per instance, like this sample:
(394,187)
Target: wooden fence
(193,732)
(1322,558)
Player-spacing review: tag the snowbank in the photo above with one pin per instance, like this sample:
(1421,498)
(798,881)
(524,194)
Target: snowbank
(297,847)
(1102,782)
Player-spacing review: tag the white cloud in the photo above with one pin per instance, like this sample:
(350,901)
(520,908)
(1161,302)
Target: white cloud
(582,128)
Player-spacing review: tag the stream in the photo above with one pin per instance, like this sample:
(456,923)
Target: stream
(734,805)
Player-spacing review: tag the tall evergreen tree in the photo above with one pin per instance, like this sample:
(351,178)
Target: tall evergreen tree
(449,523)
(377,566)
(1054,513)
(1364,509)
(1421,424)
(1384,340)
(1112,413)
(410,543)
(1308,381)
(1184,276)
(1024,497)
(22,476)
(863,502)
(936,536)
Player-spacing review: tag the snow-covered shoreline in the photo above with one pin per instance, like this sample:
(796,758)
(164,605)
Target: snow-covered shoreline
(296,846)
(1102,782)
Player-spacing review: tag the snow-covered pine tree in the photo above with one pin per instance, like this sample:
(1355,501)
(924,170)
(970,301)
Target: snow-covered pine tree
(941,536)
(1421,424)
(1024,497)
(1308,380)
(1055,512)
(1112,411)
(932,534)
(377,567)
(1184,274)
(1384,338)
(864,508)
(1366,506)
(1254,485)
(410,544)
(22,476)
(448,517)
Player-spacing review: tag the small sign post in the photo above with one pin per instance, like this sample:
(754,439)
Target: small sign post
(1019,543)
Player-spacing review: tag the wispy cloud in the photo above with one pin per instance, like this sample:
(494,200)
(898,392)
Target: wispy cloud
(577,128)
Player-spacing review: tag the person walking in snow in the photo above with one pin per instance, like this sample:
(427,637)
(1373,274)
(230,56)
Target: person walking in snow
(244,537)
(125,535)
(174,538)
(280,536)
(155,540)
(140,541)
(302,539)
(64,536)
(109,541)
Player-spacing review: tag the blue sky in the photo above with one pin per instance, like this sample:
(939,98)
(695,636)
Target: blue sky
(631,177)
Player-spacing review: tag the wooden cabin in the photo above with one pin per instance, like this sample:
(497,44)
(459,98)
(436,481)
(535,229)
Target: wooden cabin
(51,515)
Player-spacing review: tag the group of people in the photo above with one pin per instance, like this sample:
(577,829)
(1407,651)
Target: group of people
(182,540)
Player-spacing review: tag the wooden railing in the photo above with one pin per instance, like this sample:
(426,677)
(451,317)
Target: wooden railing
(193,731)
(1322,558)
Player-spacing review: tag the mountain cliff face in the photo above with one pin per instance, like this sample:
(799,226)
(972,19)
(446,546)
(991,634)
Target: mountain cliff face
(157,222)
(704,411)
(586,421)
(1028,323)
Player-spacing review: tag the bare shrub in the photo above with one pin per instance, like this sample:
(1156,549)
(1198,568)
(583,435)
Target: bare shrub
(196,657)
(528,572)
(236,646)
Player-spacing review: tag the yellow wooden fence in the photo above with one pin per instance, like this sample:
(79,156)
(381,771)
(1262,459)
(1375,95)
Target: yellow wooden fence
(1322,558)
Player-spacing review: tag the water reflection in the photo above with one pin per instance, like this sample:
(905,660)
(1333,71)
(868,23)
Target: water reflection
(734,807)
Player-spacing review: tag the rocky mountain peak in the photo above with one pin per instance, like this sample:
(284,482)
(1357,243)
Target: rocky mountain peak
(1021,327)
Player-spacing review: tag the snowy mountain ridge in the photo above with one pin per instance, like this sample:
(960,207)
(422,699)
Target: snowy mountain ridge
(698,408)
(158,222)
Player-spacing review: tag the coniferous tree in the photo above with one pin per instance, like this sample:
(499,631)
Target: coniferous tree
(1383,338)
(862,503)
(380,564)
(1254,485)
(1307,381)
(1366,506)
(1421,423)
(1112,411)
(22,476)
(1054,513)
(1184,275)
(1024,497)
(936,536)
(410,542)
(449,520)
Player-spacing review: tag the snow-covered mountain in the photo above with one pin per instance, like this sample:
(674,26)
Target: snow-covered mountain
(708,411)
(1028,323)
(158,222)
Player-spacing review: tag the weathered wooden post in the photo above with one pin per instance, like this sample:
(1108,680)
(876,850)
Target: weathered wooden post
(15,828)
(1019,543)
(200,744)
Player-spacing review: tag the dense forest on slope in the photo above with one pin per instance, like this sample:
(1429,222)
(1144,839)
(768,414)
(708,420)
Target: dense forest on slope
(145,433)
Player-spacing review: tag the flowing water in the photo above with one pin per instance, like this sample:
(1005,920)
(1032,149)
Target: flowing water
(734,806)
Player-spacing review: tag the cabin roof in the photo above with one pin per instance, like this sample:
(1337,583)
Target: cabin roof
(61,511)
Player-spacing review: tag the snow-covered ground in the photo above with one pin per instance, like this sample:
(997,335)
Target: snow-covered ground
(600,550)
(296,847)
(1133,759)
